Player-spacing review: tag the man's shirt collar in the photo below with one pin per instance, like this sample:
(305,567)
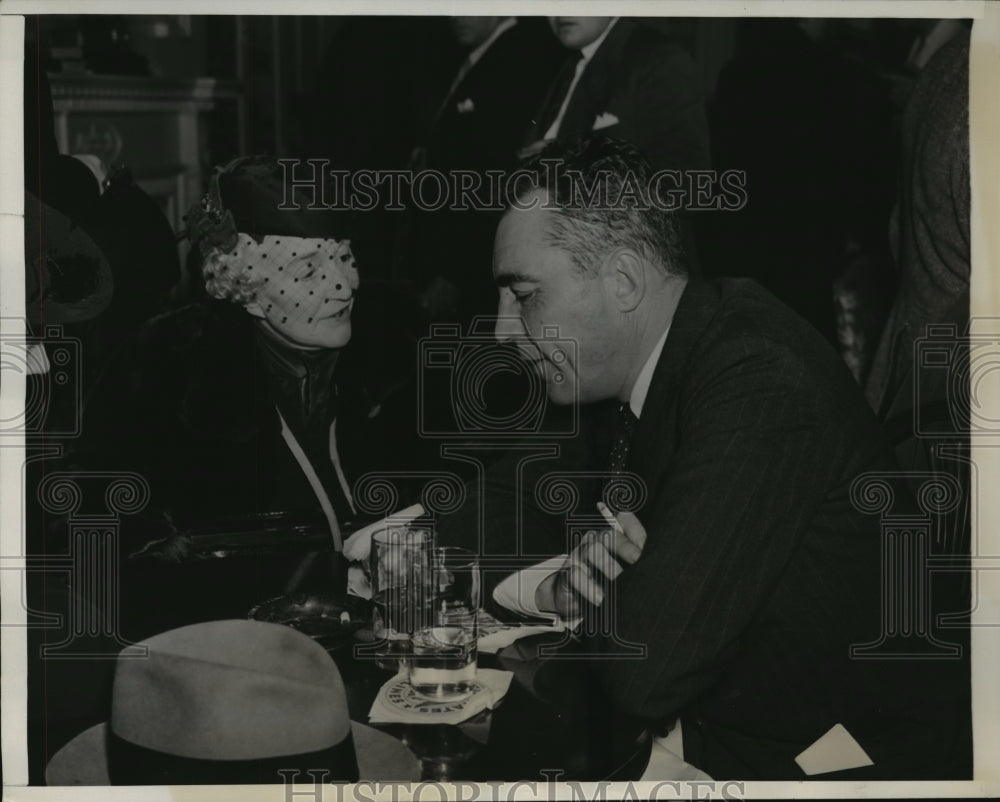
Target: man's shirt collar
(641,387)
(587,51)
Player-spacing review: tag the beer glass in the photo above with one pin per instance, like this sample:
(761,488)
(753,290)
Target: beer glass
(442,663)
(402,592)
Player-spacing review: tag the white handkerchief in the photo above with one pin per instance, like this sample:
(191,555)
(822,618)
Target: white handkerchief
(835,751)
(358,545)
(397,702)
(358,583)
(605,120)
(666,765)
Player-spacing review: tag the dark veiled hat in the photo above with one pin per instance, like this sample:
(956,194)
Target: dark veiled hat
(259,196)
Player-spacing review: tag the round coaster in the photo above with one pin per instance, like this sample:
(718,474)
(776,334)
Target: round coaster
(401,696)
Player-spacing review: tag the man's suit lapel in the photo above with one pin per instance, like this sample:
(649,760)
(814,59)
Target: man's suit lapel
(655,436)
(471,86)
(594,88)
(553,100)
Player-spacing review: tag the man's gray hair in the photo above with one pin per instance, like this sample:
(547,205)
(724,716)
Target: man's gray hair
(598,191)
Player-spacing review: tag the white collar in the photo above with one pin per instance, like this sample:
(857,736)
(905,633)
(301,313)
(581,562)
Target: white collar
(641,387)
(477,54)
(587,51)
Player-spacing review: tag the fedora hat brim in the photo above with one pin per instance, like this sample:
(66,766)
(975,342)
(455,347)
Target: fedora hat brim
(84,760)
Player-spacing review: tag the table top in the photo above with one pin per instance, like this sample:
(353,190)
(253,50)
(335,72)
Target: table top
(553,723)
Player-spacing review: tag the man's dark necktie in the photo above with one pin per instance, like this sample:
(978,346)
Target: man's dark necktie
(557,94)
(624,429)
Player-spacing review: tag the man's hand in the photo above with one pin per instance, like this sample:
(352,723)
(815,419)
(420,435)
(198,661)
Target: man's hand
(591,567)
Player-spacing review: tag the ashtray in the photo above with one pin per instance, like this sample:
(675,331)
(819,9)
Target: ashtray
(330,620)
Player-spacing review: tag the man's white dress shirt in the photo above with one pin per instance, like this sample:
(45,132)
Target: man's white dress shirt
(586,53)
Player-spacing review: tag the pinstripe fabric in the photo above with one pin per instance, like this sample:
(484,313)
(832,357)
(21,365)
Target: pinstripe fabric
(758,574)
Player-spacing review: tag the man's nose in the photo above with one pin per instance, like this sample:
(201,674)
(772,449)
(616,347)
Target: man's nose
(509,325)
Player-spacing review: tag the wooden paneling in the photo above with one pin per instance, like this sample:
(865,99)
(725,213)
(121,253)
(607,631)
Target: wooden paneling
(151,125)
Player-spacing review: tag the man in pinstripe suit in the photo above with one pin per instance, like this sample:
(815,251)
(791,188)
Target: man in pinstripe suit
(748,573)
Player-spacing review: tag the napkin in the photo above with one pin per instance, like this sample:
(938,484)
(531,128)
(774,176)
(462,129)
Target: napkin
(358,583)
(835,751)
(665,764)
(398,703)
(359,545)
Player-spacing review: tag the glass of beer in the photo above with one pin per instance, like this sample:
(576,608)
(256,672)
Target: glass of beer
(442,664)
(402,591)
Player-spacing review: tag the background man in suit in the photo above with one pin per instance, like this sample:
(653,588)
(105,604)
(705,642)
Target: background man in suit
(476,124)
(477,121)
(929,231)
(627,81)
(748,573)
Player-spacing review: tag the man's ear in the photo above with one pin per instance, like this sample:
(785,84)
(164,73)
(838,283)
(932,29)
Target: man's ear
(628,274)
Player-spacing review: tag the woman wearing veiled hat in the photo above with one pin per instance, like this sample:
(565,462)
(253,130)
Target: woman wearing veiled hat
(272,395)
(252,401)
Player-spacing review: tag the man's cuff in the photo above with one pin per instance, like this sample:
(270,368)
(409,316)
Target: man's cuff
(517,591)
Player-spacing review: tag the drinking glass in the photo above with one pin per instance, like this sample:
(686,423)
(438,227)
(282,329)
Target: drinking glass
(442,664)
(402,592)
